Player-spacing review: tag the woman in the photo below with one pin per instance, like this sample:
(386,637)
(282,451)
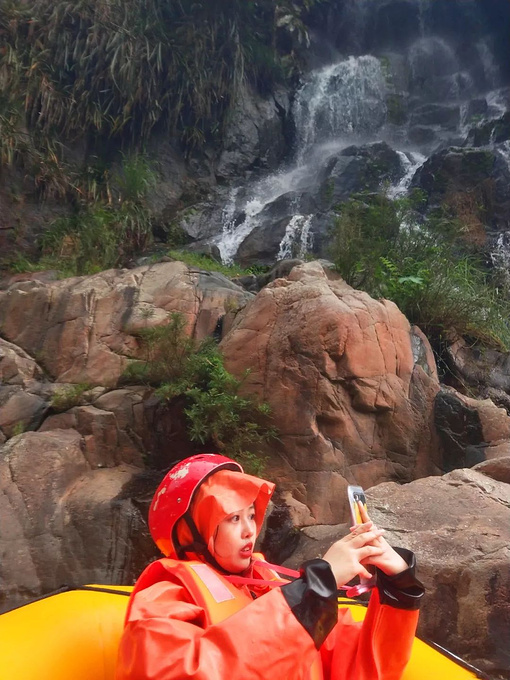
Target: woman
(210,608)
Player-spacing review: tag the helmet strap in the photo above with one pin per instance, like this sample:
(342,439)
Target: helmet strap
(198,545)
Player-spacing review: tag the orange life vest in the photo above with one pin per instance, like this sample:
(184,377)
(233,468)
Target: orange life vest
(209,590)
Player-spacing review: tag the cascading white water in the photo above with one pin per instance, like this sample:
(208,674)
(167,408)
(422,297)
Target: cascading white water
(333,104)
(297,240)
(260,194)
(342,99)
(432,56)
(411,161)
(500,251)
(504,150)
(490,68)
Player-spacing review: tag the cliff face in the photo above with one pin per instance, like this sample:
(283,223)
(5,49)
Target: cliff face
(420,76)
(396,95)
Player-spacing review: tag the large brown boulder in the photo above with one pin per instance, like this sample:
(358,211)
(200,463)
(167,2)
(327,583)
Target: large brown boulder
(352,387)
(16,366)
(105,444)
(64,522)
(459,527)
(83,330)
(24,393)
(349,400)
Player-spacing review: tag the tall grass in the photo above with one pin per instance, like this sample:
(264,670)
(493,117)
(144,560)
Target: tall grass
(120,67)
(425,267)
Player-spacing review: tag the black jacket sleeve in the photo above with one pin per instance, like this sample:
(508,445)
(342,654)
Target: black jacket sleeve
(313,596)
(313,599)
(403,590)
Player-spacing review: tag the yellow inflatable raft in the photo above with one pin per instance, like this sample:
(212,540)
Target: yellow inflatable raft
(74,635)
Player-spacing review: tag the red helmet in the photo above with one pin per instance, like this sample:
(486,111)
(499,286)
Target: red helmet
(174,495)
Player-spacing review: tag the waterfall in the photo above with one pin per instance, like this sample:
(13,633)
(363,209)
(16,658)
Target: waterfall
(504,151)
(342,99)
(242,215)
(334,105)
(297,240)
(490,68)
(411,161)
(429,95)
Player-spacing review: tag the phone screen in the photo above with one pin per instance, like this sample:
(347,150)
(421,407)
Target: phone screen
(356,495)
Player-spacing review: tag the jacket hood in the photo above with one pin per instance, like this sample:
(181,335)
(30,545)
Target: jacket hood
(221,494)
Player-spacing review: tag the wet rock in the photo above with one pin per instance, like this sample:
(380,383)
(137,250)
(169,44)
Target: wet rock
(423,137)
(444,115)
(280,271)
(255,137)
(477,174)
(423,355)
(494,131)
(262,245)
(173,179)
(479,368)
(355,169)
(468,428)
(201,220)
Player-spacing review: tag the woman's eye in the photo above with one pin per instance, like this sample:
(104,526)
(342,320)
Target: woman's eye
(252,516)
(234,518)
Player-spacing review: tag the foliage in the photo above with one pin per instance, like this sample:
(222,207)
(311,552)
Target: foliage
(112,68)
(100,234)
(18,428)
(388,250)
(363,231)
(194,374)
(208,264)
(68,396)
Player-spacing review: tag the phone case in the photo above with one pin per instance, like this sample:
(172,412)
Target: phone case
(355,494)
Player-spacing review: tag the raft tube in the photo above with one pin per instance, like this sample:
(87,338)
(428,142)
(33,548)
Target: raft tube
(74,635)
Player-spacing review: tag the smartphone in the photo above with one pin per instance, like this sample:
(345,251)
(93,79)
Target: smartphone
(356,495)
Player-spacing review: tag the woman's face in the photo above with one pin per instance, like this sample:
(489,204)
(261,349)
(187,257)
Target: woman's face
(234,540)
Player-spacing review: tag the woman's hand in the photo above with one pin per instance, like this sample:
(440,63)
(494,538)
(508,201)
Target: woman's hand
(389,561)
(348,556)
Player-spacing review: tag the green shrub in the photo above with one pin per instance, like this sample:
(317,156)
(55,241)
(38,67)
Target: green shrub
(207,263)
(102,233)
(18,428)
(363,232)
(68,396)
(194,375)
(386,249)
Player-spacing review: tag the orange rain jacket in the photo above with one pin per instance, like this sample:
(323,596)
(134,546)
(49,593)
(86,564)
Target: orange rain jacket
(168,636)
